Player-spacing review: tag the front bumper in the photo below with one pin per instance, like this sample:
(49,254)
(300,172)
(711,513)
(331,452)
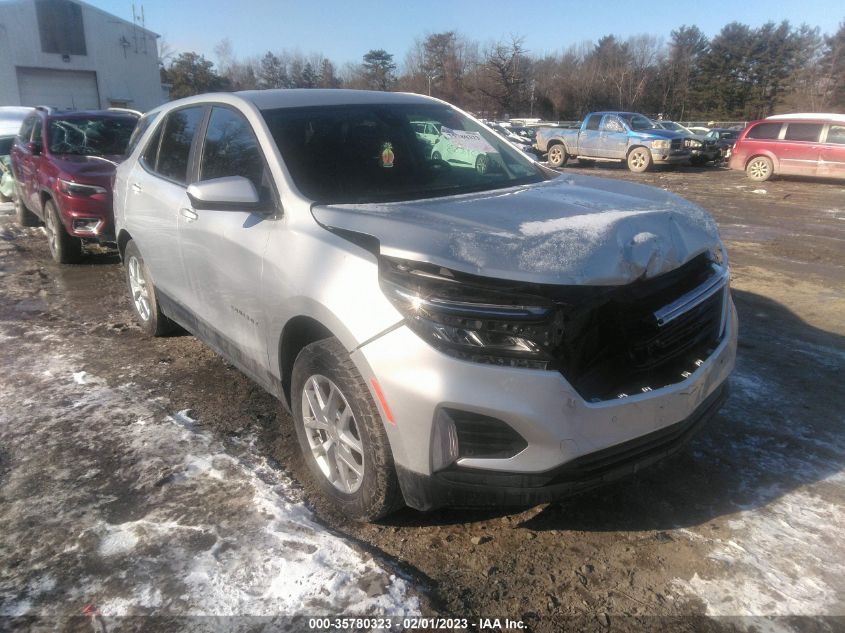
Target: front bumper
(89,217)
(557,424)
(468,487)
(670,157)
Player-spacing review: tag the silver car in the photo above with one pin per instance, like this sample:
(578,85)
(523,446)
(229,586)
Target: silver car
(441,335)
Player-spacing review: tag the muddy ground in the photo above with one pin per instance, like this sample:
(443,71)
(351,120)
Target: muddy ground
(748,521)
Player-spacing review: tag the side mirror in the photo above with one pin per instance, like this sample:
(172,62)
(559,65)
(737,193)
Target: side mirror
(232,193)
(34,147)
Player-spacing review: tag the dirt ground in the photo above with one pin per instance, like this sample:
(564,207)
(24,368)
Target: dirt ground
(744,529)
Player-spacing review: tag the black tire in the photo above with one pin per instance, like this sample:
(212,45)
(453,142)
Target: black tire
(760,169)
(557,155)
(23,215)
(482,164)
(154,322)
(65,249)
(378,492)
(639,159)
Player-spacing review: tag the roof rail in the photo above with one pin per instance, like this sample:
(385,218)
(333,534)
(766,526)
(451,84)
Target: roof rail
(129,110)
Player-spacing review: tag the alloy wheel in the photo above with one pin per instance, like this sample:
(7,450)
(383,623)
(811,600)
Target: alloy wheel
(138,288)
(758,169)
(333,434)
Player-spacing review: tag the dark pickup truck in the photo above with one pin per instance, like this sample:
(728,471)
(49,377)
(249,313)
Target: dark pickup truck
(626,136)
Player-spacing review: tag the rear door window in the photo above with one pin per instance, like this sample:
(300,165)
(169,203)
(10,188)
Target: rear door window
(593,122)
(231,148)
(765,131)
(808,132)
(177,138)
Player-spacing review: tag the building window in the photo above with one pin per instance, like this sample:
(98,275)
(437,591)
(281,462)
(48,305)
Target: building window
(60,27)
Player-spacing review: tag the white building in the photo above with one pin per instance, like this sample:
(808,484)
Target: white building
(68,54)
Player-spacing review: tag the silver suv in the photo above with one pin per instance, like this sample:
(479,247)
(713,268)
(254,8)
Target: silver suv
(462,331)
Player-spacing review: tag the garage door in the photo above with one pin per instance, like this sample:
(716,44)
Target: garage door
(73,89)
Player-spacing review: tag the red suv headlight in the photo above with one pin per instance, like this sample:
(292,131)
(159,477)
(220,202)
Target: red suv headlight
(79,190)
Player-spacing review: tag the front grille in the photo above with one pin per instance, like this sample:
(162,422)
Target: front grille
(676,143)
(618,348)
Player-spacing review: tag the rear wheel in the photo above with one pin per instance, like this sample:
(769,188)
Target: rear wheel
(557,155)
(341,434)
(143,294)
(64,248)
(759,168)
(639,159)
(24,216)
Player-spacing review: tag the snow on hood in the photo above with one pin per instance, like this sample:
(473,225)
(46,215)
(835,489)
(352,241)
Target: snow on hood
(570,230)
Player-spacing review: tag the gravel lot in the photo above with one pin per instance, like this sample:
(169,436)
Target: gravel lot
(148,476)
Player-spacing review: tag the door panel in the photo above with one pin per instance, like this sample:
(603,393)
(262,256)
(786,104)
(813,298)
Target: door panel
(156,191)
(832,160)
(614,138)
(800,150)
(223,250)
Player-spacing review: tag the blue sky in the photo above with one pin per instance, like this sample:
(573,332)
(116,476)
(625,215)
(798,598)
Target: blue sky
(345,30)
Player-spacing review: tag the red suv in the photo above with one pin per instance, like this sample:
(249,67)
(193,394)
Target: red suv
(63,163)
(795,144)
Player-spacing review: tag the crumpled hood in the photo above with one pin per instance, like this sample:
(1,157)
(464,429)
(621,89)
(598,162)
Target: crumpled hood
(87,166)
(570,230)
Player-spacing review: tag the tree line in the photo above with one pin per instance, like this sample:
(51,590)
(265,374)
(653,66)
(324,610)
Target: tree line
(741,73)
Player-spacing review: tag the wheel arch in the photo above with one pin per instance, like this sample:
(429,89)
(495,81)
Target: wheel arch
(123,239)
(298,332)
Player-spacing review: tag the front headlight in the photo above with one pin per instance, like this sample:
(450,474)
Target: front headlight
(661,144)
(76,189)
(471,321)
(695,143)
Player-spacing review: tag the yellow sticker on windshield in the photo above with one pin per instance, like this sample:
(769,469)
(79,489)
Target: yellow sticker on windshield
(387,156)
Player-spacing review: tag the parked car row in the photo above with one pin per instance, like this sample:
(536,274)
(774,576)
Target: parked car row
(795,144)
(436,341)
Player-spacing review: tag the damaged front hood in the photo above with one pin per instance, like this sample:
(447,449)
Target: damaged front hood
(571,230)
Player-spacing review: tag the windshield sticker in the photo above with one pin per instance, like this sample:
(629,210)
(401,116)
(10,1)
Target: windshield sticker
(387,155)
(471,141)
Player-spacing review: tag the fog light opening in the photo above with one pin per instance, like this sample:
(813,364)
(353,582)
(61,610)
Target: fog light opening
(444,442)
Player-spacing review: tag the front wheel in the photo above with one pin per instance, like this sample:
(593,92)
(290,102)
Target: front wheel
(759,169)
(65,249)
(557,156)
(341,434)
(639,159)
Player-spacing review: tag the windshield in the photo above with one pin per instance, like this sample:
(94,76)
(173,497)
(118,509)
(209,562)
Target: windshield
(392,152)
(639,122)
(97,136)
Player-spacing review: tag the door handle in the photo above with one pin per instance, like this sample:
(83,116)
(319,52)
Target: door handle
(136,188)
(189,214)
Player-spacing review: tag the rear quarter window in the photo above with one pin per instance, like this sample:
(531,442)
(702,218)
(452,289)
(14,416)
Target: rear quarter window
(765,131)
